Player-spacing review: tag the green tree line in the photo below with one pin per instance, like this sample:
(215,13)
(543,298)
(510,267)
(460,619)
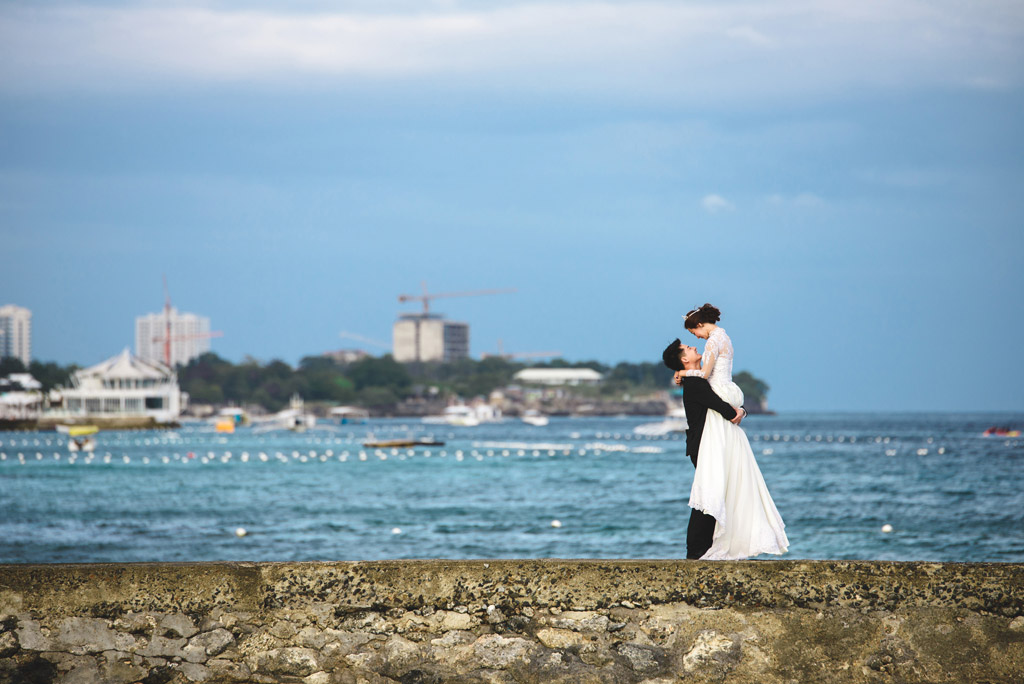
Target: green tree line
(373,381)
(48,374)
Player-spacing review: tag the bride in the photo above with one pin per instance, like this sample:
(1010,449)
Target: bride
(728,484)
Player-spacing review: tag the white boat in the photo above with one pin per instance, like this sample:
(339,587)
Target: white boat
(350,415)
(235,415)
(294,418)
(461,415)
(675,421)
(82,444)
(534,417)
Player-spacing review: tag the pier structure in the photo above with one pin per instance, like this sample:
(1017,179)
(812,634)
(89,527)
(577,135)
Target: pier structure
(506,621)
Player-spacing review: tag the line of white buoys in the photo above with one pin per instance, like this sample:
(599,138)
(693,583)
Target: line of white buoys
(890,452)
(767,452)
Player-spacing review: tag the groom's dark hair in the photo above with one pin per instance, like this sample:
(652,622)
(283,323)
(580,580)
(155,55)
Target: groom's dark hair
(670,357)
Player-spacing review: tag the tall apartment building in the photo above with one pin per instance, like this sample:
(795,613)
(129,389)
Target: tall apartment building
(16,333)
(189,336)
(428,337)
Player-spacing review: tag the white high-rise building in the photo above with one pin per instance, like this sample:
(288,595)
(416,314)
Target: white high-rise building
(189,336)
(16,333)
(428,337)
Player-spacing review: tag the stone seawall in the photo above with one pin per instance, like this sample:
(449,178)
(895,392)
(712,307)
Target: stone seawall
(512,621)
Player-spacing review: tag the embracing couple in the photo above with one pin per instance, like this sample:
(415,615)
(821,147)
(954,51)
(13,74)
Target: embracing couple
(733,514)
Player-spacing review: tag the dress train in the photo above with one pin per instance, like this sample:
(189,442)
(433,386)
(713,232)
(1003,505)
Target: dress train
(728,485)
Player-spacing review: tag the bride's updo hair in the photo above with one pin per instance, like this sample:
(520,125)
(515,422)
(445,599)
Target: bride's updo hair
(704,314)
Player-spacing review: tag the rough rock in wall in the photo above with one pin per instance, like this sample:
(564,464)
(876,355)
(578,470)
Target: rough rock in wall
(512,621)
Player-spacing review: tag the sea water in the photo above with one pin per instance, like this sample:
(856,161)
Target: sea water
(576,488)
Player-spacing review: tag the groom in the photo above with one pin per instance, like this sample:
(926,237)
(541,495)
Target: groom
(698,397)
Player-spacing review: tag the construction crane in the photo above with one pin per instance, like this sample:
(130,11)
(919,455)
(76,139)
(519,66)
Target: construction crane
(167,337)
(364,340)
(426,296)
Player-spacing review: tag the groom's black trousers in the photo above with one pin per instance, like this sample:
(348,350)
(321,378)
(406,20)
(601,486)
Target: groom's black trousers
(700,530)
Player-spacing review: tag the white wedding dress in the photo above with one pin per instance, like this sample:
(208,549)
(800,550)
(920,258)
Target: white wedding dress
(728,484)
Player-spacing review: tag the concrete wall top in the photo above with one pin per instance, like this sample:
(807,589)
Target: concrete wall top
(97,589)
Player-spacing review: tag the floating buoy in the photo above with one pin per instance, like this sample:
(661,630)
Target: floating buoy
(396,530)
(556,523)
(886,528)
(240,532)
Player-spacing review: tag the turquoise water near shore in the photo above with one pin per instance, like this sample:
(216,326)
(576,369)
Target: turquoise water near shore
(493,491)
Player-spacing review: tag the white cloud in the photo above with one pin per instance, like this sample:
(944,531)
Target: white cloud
(664,49)
(716,203)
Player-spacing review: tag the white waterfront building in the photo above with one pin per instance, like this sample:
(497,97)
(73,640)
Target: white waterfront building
(124,386)
(16,333)
(429,337)
(21,397)
(558,376)
(189,333)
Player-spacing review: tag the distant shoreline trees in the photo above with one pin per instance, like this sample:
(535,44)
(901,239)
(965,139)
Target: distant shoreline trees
(378,381)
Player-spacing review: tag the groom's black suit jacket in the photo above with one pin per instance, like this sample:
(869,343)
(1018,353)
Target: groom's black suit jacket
(698,397)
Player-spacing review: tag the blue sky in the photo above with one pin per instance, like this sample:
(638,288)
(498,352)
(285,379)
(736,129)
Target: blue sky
(844,182)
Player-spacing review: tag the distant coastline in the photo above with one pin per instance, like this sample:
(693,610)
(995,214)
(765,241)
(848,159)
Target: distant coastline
(386,388)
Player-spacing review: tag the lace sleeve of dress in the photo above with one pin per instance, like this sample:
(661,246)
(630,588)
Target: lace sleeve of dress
(723,345)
